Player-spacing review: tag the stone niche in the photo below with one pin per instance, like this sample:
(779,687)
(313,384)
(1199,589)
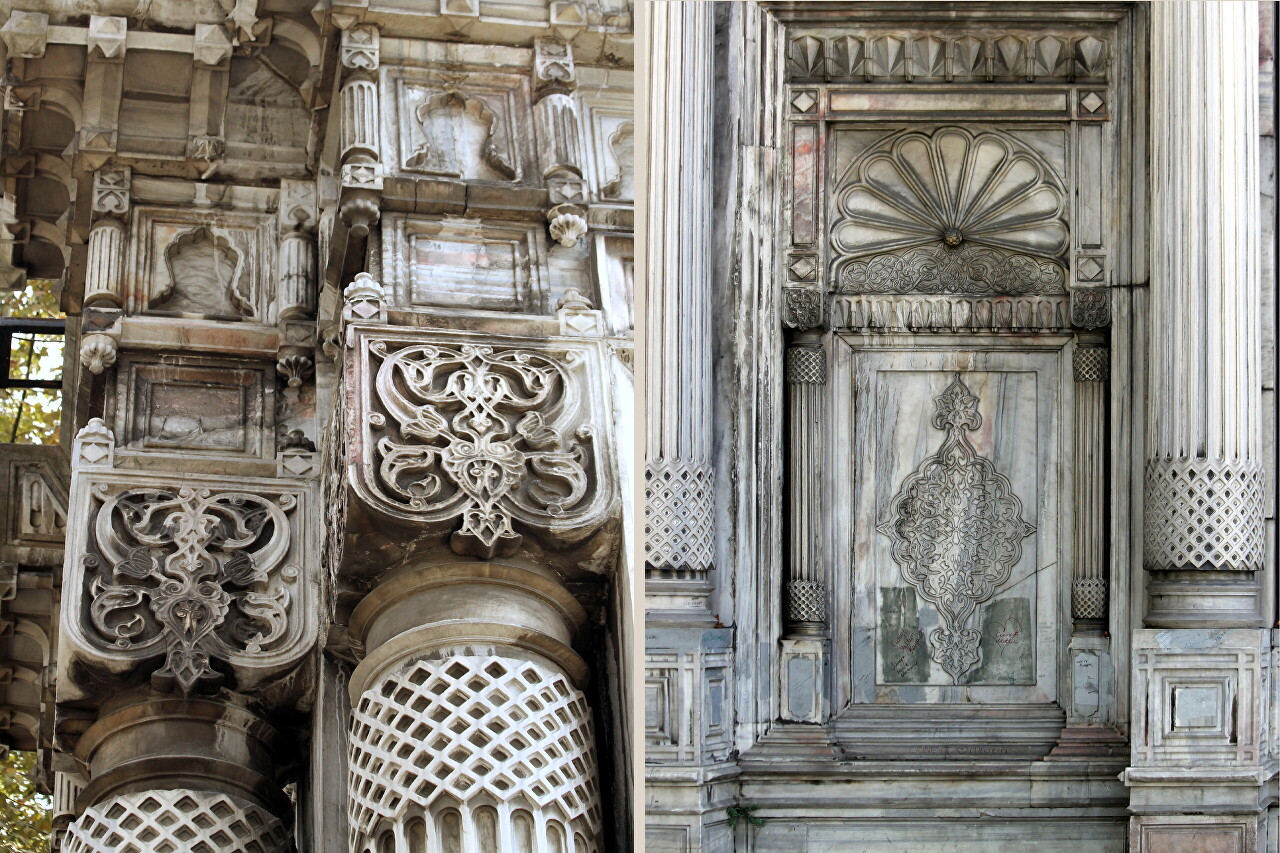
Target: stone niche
(466,265)
(950,187)
(470,127)
(217,265)
(195,406)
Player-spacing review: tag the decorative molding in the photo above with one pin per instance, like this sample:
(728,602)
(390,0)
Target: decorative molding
(950,211)
(485,442)
(509,739)
(947,56)
(946,314)
(176,820)
(948,269)
(111,191)
(953,503)
(553,68)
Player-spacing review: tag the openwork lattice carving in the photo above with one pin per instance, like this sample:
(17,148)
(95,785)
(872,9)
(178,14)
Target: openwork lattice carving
(473,729)
(1204,514)
(176,821)
(484,438)
(806,366)
(951,212)
(806,601)
(1089,598)
(677,516)
(957,530)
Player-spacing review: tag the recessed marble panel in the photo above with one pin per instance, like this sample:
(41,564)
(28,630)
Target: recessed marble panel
(465,265)
(195,406)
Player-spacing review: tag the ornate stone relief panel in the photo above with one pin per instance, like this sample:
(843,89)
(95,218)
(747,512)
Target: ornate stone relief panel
(483,442)
(212,264)
(450,124)
(955,492)
(466,265)
(948,210)
(612,129)
(192,405)
(190,581)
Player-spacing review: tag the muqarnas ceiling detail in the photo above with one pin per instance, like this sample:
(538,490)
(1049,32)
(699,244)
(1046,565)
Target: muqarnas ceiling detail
(950,211)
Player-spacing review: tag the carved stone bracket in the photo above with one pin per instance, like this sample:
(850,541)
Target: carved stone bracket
(483,441)
(189,581)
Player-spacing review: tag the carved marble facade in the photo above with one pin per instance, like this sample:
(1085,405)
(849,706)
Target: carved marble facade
(983,415)
(332,556)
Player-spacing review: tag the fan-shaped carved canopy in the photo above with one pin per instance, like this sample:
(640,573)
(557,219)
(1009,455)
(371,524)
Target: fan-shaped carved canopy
(951,211)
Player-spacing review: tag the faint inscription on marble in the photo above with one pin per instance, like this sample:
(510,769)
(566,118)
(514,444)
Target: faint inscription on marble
(1005,644)
(469,272)
(904,654)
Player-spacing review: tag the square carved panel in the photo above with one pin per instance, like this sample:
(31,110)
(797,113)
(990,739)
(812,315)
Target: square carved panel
(196,406)
(465,127)
(203,263)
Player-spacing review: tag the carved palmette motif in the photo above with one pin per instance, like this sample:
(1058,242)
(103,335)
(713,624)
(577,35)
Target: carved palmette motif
(190,576)
(486,442)
(957,531)
(951,211)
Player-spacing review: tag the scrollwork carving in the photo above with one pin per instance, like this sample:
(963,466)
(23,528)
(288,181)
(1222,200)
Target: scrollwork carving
(957,531)
(481,440)
(204,579)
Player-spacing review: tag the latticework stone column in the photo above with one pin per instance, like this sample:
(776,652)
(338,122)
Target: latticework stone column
(176,821)
(1204,479)
(469,733)
(679,493)
(806,593)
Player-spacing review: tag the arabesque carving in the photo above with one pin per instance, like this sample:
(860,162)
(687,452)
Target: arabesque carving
(951,211)
(957,530)
(190,574)
(484,439)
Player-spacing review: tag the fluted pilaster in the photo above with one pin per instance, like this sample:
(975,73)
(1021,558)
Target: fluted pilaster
(1204,477)
(104,266)
(678,476)
(1089,582)
(806,592)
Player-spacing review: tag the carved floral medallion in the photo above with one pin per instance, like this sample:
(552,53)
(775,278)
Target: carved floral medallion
(484,441)
(951,211)
(956,529)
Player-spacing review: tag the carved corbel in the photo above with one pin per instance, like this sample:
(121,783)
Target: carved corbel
(577,317)
(97,352)
(364,301)
(361,172)
(194,584)
(486,447)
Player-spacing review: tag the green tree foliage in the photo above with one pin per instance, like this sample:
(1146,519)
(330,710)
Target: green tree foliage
(24,812)
(32,415)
